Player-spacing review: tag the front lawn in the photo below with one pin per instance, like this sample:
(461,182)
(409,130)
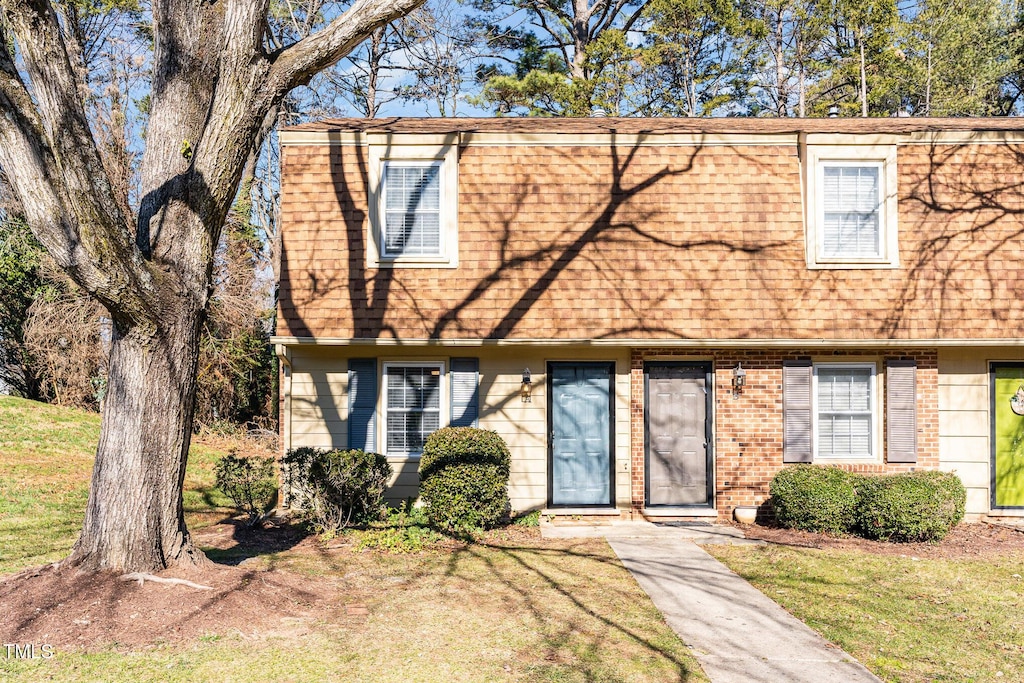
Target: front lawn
(286,607)
(906,618)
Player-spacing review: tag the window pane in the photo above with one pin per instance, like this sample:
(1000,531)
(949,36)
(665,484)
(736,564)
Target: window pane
(844,412)
(412,207)
(413,407)
(851,226)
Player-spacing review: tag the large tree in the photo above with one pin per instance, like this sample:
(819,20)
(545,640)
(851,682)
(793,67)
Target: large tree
(214,79)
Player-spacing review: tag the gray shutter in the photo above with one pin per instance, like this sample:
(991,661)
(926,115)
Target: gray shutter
(465,379)
(796,411)
(362,404)
(901,411)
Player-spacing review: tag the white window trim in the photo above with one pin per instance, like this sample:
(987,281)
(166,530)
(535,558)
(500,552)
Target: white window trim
(881,156)
(416,150)
(876,436)
(382,410)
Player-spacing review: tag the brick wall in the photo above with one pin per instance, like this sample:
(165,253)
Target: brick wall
(748,429)
(653,243)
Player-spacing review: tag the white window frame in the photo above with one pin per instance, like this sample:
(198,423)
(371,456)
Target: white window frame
(443,407)
(883,157)
(440,150)
(875,437)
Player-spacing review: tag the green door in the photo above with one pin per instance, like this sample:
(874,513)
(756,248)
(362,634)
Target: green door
(1007,435)
(581,445)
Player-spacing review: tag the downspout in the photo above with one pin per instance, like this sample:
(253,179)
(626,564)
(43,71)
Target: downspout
(285,414)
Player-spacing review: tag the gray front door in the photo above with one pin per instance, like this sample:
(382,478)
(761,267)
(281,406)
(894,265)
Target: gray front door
(677,434)
(580,419)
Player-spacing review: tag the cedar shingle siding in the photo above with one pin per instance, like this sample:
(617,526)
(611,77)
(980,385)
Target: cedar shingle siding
(655,243)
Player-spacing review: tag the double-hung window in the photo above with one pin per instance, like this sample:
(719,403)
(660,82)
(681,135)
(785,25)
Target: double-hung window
(412,209)
(852,212)
(851,224)
(413,403)
(413,202)
(844,406)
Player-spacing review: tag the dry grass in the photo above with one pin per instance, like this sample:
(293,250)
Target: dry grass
(512,607)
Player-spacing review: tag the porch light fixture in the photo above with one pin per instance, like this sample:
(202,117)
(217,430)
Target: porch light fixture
(527,388)
(739,380)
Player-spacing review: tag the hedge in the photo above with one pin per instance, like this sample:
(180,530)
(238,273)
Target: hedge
(464,478)
(338,488)
(815,498)
(912,506)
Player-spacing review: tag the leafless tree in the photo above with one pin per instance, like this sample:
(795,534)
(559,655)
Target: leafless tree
(214,80)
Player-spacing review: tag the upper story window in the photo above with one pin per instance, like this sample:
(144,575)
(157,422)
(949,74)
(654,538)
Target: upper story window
(412,209)
(851,202)
(413,202)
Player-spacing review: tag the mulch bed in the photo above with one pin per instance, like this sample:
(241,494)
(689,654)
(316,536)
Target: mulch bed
(966,541)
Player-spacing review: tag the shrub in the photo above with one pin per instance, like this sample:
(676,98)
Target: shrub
(464,478)
(250,483)
(815,498)
(338,488)
(912,506)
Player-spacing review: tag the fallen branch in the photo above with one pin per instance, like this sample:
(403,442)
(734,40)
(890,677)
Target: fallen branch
(142,578)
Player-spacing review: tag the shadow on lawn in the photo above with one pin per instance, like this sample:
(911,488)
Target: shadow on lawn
(533,566)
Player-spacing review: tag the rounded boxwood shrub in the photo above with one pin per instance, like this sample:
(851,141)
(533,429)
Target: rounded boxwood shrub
(911,506)
(464,478)
(814,498)
(338,488)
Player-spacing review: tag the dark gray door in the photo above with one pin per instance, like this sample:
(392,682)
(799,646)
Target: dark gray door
(677,439)
(581,454)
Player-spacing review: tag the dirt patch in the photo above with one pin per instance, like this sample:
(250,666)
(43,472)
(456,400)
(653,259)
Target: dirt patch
(91,611)
(964,541)
(67,609)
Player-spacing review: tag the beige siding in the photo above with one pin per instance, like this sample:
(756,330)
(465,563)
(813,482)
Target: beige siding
(964,420)
(317,410)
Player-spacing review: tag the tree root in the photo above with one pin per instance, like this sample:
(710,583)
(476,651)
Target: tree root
(142,578)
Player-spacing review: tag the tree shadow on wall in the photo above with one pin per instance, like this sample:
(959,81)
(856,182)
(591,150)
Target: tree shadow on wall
(965,201)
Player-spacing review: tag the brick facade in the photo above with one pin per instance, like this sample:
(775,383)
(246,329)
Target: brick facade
(748,428)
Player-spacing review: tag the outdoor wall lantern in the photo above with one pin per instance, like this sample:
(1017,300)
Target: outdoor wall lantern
(527,389)
(739,380)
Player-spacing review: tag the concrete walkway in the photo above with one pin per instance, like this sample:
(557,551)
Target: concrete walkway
(737,634)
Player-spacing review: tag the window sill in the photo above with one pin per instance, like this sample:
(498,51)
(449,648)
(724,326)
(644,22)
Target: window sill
(439,262)
(866,264)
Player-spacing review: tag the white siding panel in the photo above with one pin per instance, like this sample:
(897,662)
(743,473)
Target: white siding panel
(957,396)
(963,423)
(972,474)
(960,449)
(977,501)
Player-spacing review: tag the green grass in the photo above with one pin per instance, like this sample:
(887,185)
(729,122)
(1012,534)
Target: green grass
(511,607)
(905,619)
(46,455)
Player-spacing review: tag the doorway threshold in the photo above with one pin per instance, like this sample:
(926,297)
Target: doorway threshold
(679,512)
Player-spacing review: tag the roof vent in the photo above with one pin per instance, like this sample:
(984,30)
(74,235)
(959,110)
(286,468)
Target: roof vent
(598,113)
(833,111)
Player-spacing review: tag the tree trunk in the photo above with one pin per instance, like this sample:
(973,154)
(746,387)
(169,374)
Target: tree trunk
(780,70)
(213,84)
(134,520)
(863,78)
